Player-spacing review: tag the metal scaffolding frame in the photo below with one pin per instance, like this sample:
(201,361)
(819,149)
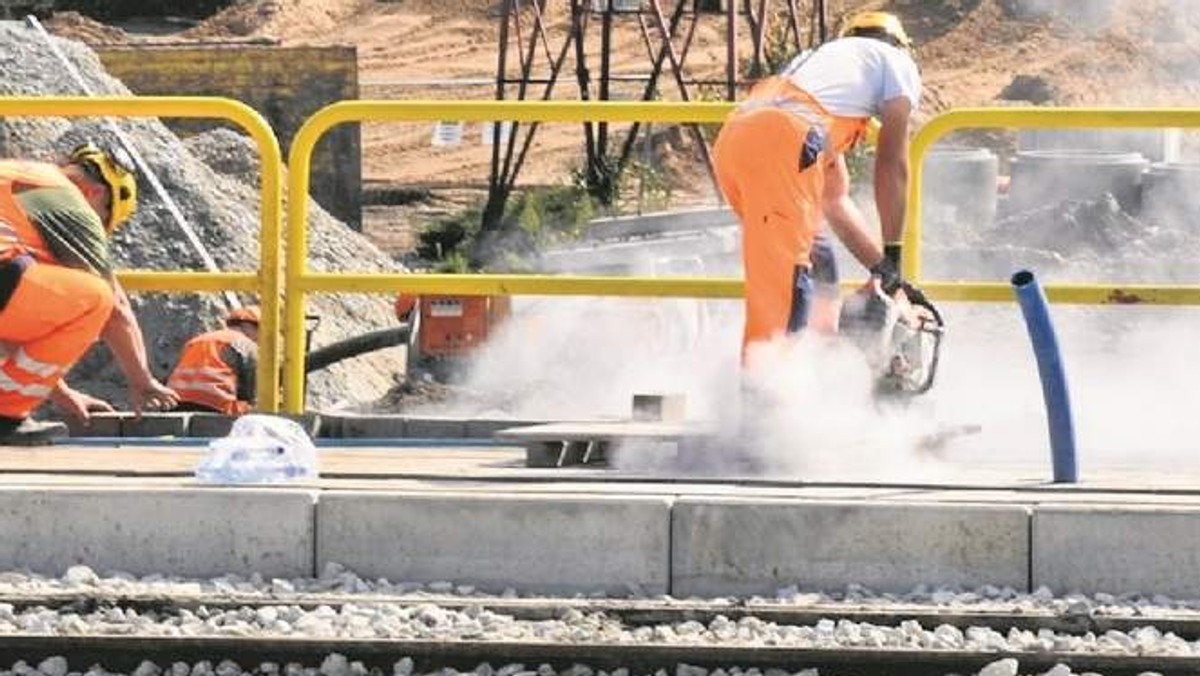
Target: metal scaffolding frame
(666,49)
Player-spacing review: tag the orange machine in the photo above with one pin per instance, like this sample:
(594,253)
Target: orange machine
(451,326)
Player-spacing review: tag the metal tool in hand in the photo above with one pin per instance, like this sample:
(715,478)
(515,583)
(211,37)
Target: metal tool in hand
(900,337)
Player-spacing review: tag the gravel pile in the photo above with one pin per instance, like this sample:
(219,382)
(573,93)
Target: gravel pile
(213,180)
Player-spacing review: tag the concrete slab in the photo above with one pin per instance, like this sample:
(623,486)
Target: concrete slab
(202,532)
(728,546)
(485,428)
(538,544)
(1153,550)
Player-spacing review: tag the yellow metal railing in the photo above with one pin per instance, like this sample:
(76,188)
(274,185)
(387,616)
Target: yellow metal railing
(300,280)
(267,281)
(1046,118)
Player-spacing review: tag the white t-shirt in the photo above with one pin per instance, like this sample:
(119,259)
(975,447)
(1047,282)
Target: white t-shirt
(853,77)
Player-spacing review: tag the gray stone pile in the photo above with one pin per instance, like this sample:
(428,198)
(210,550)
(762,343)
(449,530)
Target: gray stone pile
(1069,241)
(213,178)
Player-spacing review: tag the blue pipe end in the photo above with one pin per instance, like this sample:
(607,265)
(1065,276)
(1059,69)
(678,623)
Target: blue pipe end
(1036,311)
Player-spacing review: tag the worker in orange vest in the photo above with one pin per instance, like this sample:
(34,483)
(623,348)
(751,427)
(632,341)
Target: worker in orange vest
(216,371)
(57,289)
(780,164)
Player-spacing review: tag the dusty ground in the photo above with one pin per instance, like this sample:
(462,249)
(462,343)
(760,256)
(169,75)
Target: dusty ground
(972,52)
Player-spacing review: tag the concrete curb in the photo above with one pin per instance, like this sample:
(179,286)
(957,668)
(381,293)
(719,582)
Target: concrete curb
(747,546)
(200,532)
(551,544)
(618,544)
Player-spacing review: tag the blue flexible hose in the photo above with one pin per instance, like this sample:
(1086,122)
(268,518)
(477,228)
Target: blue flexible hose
(1036,311)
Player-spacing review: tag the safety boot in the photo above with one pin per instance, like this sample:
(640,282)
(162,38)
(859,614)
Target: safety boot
(29,432)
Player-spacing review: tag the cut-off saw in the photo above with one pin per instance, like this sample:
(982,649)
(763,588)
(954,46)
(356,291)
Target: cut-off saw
(901,337)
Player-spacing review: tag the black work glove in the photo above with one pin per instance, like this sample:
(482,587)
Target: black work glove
(890,280)
(888,270)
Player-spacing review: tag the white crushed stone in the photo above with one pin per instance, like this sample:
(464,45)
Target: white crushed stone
(428,621)
(338,665)
(335,579)
(369,615)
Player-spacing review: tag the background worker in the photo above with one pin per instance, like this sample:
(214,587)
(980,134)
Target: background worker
(57,290)
(216,370)
(779,160)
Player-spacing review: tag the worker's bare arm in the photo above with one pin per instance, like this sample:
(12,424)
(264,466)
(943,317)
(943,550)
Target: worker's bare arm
(891,168)
(124,337)
(844,217)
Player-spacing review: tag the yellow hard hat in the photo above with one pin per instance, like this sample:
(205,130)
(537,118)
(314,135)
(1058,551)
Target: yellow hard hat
(247,315)
(114,169)
(877,25)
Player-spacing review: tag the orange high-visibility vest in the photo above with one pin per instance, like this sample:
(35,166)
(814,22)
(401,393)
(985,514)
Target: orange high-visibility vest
(202,376)
(19,235)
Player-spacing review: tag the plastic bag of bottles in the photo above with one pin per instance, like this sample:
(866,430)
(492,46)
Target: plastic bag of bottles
(259,449)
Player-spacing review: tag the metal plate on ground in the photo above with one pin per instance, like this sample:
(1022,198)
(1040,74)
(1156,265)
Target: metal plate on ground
(588,443)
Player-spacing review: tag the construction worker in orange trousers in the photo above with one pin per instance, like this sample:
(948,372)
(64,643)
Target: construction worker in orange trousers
(57,289)
(780,164)
(216,370)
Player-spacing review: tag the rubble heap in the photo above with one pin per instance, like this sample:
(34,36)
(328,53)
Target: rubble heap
(213,178)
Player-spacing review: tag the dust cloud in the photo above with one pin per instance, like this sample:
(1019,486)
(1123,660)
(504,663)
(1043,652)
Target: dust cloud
(802,409)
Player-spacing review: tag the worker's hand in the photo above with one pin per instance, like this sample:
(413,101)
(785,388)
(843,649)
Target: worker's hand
(151,395)
(888,275)
(77,404)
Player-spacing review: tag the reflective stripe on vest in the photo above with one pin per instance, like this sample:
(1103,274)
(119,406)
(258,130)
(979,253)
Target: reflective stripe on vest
(7,384)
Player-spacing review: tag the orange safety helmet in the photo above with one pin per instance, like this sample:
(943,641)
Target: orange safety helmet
(114,168)
(243,315)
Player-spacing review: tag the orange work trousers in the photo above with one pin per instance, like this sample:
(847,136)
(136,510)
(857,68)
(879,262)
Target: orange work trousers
(53,317)
(757,159)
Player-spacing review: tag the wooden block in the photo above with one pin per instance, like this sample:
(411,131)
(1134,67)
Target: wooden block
(659,407)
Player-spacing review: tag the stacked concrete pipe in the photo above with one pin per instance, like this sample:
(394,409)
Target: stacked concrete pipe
(1169,196)
(958,191)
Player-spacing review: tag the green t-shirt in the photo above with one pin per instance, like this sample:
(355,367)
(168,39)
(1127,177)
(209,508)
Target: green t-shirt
(72,230)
